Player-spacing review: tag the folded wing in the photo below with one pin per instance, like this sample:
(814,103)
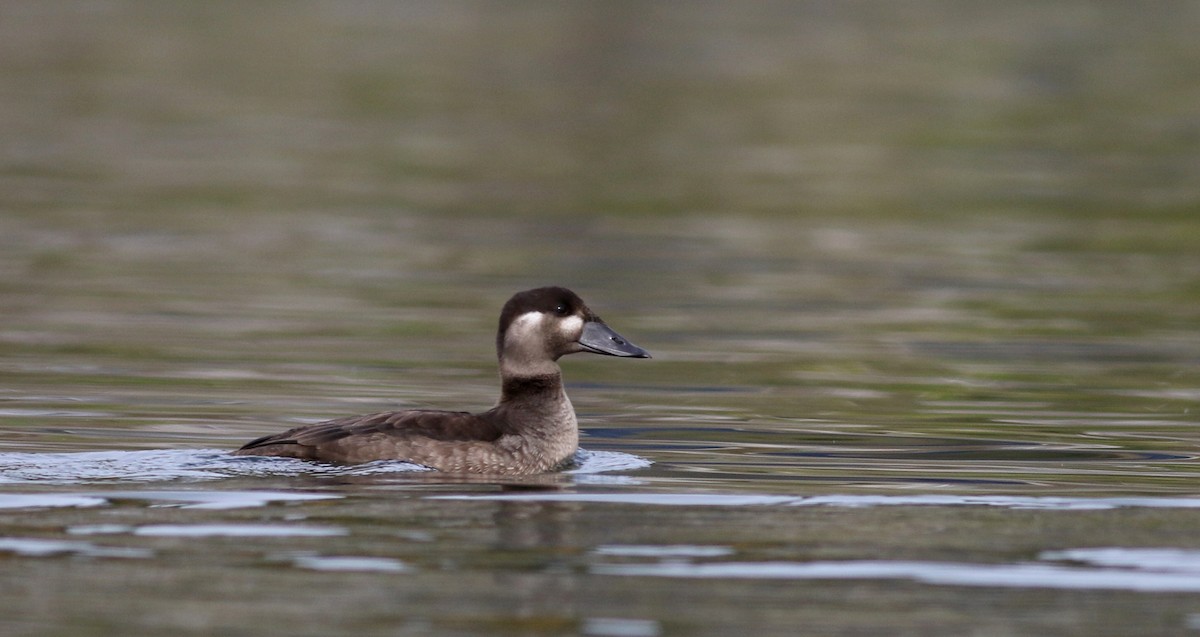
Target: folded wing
(382,435)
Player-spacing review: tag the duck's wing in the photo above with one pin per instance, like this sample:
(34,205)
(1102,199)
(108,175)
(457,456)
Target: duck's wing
(382,436)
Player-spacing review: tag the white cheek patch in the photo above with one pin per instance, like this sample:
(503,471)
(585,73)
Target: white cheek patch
(530,332)
(571,327)
(526,326)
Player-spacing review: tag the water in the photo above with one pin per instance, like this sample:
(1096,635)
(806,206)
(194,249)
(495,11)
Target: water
(921,286)
(101,467)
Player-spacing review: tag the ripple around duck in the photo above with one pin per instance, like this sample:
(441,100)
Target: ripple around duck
(163,465)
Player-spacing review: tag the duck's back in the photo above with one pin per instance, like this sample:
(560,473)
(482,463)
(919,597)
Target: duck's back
(438,439)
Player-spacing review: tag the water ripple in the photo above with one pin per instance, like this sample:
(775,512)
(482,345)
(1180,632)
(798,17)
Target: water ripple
(846,501)
(937,573)
(209,464)
(164,464)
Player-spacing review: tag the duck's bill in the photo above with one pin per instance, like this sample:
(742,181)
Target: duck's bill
(601,339)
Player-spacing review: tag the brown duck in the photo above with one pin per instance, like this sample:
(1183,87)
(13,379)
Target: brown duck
(532,429)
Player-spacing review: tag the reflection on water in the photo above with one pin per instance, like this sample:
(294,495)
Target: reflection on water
(35,547)
(236,530)
(348,563)
(1141,578)
(852,501)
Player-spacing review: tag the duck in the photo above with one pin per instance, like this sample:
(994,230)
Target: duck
(532,429)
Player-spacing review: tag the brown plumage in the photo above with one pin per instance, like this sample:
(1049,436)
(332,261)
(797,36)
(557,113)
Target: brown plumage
(531,430)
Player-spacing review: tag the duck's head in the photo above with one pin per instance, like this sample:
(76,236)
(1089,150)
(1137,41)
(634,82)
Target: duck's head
(538,326)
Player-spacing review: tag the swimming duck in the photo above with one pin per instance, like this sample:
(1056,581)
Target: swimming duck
(531,430)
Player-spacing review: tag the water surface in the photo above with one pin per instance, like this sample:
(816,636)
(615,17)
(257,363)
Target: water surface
(921,286)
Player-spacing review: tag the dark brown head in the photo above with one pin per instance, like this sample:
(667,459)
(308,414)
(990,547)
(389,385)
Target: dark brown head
(538,326)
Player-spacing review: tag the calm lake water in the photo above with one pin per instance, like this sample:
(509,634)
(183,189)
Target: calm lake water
(921,283)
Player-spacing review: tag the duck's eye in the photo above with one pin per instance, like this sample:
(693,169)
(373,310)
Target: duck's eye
(561,309)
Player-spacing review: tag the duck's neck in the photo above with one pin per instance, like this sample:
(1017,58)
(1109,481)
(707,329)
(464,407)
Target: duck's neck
(542,388)
(537,419)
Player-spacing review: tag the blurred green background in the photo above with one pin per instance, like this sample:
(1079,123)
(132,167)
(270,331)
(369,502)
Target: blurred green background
(578,108)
